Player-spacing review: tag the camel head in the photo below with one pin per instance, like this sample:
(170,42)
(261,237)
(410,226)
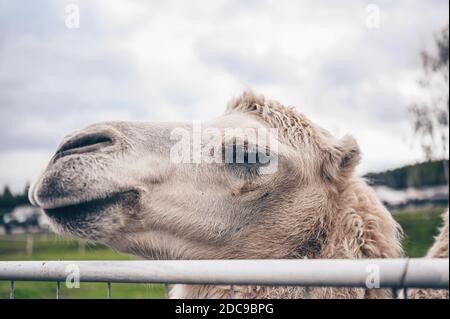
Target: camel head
(138,188)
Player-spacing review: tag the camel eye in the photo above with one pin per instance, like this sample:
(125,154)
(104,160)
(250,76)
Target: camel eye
(240,154)
(243,161)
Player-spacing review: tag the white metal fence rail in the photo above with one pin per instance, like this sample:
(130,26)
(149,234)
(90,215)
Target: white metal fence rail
(387,273)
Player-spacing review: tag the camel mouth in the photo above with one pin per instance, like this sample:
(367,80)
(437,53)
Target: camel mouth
(66,213)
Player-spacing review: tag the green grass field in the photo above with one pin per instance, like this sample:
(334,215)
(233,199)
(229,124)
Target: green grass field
(52,247)
(420,227)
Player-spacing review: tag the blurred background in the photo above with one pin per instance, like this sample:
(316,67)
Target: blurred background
(376,69)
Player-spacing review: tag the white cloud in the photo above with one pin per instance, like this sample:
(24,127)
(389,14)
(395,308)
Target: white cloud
(22,166)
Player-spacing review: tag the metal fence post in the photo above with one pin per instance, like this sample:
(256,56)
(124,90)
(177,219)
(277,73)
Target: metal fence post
(166,290)
(307,292)
(58,288)
(394,293)
(232,292)
(109,292)
(11,289)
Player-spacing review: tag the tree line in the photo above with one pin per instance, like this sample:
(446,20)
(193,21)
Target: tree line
(431,173)
(8,200)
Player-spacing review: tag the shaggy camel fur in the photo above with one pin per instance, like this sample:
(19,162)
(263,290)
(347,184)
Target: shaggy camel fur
(438,250)
(115,183)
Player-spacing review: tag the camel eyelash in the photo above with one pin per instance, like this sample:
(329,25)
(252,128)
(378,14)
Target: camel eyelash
(243,161)
(243,169)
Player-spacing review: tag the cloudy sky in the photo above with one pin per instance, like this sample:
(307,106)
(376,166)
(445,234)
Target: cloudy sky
(183,60)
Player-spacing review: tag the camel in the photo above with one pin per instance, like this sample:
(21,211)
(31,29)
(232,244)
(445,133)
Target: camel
(115,183)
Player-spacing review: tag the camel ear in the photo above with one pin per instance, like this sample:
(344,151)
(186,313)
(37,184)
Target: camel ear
(340,160)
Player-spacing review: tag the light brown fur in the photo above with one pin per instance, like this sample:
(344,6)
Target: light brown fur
(354,224)
(313,206)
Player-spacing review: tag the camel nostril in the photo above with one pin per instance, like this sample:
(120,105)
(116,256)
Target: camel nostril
(84,144)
